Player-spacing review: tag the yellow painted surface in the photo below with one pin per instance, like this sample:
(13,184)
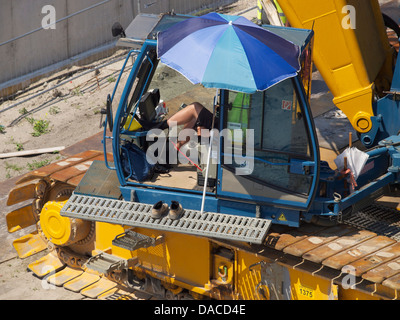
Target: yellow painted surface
(105,233)
(197,264)
(183,257)
(22,192)
(20,218)
(189,262)
(351,294)
(354,61)
(63,276)
(56,228)
(305,286)
(179,257)
(29,244)
(45,265)
(62,230)
(247,280)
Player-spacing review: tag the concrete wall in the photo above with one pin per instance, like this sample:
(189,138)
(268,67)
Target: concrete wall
(28,58)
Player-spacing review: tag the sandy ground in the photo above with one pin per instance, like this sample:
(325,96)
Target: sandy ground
(17,283)
(58,118)
(73,114)
(66,114)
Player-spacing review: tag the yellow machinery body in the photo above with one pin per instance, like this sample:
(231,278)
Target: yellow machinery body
(60,230)
(351,51)
(201,266)
(183,265)
(222,270)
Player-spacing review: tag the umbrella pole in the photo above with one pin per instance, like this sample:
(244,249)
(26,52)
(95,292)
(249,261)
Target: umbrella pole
(209,155)
(206,178)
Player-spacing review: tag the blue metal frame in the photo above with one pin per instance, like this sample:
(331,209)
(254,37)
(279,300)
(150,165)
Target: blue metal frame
(374,178)
(105,137)
(147,46)
(116,137)
(387,113)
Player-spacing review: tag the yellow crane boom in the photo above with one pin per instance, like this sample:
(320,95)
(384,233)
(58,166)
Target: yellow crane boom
(351,51)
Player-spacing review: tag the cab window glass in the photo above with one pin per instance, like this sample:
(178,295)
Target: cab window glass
(281,141)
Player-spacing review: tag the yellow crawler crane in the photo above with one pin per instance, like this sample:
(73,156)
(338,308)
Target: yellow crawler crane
(255,241)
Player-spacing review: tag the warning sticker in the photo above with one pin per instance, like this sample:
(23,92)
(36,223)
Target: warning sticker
(286,105)
(282,217)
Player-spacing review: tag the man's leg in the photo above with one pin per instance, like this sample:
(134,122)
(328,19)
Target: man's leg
(186,117)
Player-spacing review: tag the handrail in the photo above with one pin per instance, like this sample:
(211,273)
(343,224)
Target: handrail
(105,137)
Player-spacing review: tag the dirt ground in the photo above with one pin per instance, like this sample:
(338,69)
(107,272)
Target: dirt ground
(58,118)
(17,283)
(65,114)
(72,112)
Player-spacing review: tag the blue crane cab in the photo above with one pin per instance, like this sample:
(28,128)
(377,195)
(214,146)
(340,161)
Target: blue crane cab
(262,164)
(269,170)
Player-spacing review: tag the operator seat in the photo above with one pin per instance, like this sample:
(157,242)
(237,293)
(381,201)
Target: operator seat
(148,104)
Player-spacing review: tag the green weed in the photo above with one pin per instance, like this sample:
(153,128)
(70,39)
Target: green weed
(77,92)
(31,120)
(19,146)
(37,164)
(11,167)
(111,79)
(40,127)
(23,111)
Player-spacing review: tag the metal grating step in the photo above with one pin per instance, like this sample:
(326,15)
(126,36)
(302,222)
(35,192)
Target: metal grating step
(132,240)
(377,218)
(208,224)
(105,263)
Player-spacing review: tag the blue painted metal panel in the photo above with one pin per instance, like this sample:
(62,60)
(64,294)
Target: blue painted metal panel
(386,121)
(212,204)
